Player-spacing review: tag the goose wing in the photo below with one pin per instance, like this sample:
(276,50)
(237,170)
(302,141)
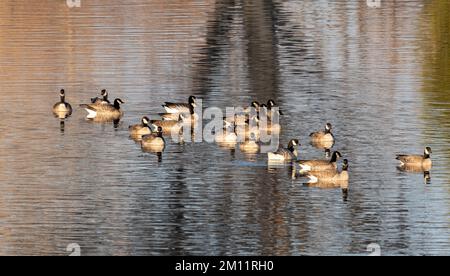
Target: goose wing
(169,116)
(176,107)
(410,158)
(316,165)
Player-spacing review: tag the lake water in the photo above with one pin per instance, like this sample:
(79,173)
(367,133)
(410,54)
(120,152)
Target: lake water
(380,75)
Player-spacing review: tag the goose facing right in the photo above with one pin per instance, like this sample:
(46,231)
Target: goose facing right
(103,99)
(320,165)
(180,107)
(104,111)
(251,145)
(288,154)
(330,176)
(422,162)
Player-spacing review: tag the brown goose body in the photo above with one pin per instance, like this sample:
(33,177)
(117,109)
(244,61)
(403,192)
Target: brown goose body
(416,162)
(154,142)
(62,109)
(320,165)
(324,136)
(167,126)
(180,107)
(104,112)
(169,116)
(137,131)
(330,176)
(285,154)
(249,147)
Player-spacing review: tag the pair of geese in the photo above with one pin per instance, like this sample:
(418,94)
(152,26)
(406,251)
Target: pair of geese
(99,109)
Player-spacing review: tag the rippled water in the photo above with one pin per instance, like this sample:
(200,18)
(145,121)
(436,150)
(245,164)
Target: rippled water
(381,76)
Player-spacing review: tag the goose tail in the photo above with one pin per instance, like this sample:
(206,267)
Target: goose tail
(312,179)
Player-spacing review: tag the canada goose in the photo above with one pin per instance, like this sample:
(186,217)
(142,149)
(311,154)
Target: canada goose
(180,107)
(272,122)
(288,154)
(255,106)
(168,127)
(323,136)
(62,109)
(141,129)
(320,165)
(418,162)
(238,120)
(227,136)
(102,100)
(271,104)
(154,142)
(104,112)
(176,116)
(250,128)
(250,146)
(330,176)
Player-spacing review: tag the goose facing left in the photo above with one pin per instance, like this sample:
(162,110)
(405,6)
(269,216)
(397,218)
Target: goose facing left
(62,107)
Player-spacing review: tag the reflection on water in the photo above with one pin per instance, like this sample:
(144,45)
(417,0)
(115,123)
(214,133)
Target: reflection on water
(380,76)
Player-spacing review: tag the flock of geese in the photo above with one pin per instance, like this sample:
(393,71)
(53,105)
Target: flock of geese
(150,134)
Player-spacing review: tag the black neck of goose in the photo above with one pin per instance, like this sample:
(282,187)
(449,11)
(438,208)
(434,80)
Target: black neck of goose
(426,156)
(63,98)
(334,158)
(191,109)
(292,148)
(105,97)
(116,105)
(327,131)
(160,134)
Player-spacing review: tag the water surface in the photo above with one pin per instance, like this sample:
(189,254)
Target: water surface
(381,76)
